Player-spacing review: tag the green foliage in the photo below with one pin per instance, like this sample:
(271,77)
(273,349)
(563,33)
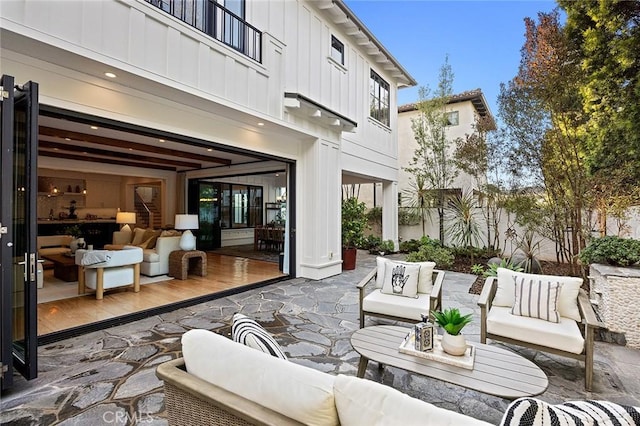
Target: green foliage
(354,222)
(477,269)
(73,230)
(492,269)
(408,216)
(374,216)
(375,245)
(611,250)
(432,253)
(409,245)
(463,225)
(451,320)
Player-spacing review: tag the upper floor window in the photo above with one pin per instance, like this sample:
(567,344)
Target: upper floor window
(453,118)
(337,50)
(379,98)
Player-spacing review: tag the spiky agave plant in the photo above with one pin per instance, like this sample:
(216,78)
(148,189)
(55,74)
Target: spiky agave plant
(451,320)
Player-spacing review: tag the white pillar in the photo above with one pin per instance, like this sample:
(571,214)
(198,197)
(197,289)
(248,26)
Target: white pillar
(390,212)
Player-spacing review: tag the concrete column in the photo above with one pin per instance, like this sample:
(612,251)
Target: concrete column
(390,212)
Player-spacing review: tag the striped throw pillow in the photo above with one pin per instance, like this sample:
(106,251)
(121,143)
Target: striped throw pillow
(246,331)
(536,298)
(531,411)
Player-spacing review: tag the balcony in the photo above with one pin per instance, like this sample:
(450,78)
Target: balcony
(218,22)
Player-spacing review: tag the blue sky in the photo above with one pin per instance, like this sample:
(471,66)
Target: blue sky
(482,38)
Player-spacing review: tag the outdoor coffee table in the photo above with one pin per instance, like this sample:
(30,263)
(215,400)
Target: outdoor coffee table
(496,371)
(64,266)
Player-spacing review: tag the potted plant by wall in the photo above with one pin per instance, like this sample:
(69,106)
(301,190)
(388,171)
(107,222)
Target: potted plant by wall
(453,341)
(354,222)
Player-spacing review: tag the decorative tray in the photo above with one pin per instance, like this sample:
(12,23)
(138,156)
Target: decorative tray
(437,353)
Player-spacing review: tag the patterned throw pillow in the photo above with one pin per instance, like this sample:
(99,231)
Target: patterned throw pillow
(249,333)
(400,279)
(531,411)
(536,299)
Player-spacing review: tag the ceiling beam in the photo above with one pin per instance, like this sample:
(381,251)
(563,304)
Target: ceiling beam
(125,155)
(79,157)
(100,140)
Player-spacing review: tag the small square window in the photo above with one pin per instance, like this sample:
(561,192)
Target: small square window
(337,50)
(452,118)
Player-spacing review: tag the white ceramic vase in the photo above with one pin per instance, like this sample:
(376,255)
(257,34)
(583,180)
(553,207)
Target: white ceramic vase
(454,345)
(76,244)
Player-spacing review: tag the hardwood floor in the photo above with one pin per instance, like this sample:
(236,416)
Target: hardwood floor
(223,273)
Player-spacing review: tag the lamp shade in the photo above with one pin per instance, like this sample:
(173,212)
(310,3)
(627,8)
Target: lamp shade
(126,217)
(186,221)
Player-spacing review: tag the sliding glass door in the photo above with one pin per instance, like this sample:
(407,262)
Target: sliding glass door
(18,228)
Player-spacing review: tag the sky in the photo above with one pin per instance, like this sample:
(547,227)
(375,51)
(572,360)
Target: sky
(482,39)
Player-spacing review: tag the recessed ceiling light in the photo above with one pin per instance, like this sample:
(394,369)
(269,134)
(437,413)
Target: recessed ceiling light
(94,127)
(110,74)
(261,124)
(160,140)
(67,139)
(209,149)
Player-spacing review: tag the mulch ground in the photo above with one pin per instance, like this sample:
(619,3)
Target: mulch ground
(462,264)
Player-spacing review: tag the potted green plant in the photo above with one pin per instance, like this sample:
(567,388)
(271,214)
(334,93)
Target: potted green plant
(354,222)
(453,342)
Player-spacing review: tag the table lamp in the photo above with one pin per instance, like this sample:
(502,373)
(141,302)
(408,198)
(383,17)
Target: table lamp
(187,222)
(126,218)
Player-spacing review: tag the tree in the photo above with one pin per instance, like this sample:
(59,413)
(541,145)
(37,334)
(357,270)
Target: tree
(419,198)
(543,115)
(430,164)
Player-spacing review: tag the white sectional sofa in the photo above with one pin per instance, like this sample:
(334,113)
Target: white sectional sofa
(219,381)
(155,258)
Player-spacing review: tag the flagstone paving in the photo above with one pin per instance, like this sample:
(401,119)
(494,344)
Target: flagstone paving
(108,377)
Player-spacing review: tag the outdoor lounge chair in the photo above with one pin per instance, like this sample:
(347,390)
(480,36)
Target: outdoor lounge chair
(571,336)
(398,308)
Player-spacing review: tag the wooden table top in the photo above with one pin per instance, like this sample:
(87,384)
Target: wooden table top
(496,371)
(61,259)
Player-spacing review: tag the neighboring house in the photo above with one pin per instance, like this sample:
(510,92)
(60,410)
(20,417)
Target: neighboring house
(462,110)
(186,94)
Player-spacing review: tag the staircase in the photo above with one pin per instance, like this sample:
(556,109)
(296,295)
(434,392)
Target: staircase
(147,206)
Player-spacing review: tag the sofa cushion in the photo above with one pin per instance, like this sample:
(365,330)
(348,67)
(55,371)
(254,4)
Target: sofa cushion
(564,335)
(567,304)
(365,402)
(248,332)
(537,299)
(532,411)
(299,392)
(425,283)
(405,307)
(138,236)
(400,279)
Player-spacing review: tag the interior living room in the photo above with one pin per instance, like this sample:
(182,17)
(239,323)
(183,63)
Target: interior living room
(95,180)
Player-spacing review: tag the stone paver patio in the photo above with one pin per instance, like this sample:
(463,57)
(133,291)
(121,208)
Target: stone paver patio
(108,377)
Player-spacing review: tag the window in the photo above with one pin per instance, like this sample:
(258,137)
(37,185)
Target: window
(241,206)
(379,98)
(452,118)
(337,50)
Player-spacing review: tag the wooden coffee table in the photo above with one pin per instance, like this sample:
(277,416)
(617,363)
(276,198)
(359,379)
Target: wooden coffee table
(64,267)
(496,371)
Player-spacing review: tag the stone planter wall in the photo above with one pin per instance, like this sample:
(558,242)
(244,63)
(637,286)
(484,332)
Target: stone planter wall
(615,292)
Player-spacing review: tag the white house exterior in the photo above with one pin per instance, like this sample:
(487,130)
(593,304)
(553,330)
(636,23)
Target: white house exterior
(287,99)
(463,108)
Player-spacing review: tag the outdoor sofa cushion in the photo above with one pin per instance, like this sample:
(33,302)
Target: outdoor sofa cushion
(365,402)
(301,393)
(404,307)
(567,305)
(564,335)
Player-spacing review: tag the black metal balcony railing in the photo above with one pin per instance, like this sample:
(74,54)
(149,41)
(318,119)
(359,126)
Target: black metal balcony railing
(218,22)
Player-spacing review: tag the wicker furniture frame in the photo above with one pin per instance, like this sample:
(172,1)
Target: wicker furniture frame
(192,401)
(435,299)
(180,263)
(589,322)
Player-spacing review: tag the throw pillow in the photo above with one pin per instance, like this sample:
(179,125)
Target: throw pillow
(567,304)
(380,264)
(249,333)
(149,239)
(536,299)
(170,233)
(138,236)
(401,279)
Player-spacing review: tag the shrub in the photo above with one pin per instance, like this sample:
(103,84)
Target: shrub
(371,243)
(409,246)
(492,270)
(477,269)
(440,255)
(611,250)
